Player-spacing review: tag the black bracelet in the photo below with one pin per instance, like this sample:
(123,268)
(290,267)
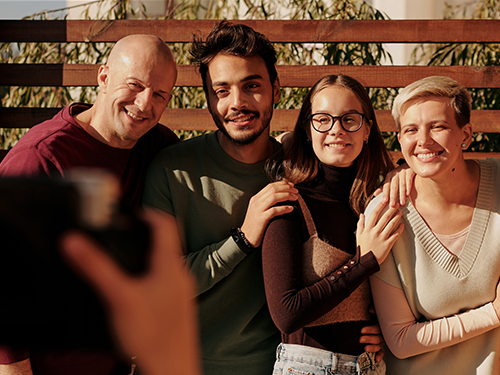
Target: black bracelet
(240,240)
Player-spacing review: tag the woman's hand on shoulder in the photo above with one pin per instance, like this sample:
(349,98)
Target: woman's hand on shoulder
(380,232)
(397,185)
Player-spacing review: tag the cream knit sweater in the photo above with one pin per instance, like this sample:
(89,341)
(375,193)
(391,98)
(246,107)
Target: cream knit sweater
(434,307)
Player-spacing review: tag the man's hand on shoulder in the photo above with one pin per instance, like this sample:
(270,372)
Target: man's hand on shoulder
(262,208)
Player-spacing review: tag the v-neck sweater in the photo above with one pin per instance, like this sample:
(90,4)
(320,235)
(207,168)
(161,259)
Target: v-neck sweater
(447,290)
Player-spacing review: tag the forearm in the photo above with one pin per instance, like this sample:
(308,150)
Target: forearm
(292,304)
(213,263)
(406,337)
(298,309)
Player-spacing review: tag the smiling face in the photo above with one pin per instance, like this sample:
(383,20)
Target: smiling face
(135,89)
(430,138)
(241,97)
(338,147)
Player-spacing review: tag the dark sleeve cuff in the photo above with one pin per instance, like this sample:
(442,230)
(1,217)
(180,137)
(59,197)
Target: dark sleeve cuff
(369,262)
(359,267)
(241,241)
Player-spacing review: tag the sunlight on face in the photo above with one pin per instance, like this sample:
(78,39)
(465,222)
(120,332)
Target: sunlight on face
(337,147)
(430,137)
(241,97)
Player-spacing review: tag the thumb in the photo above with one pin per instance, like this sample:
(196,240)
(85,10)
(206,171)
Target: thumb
(360,226)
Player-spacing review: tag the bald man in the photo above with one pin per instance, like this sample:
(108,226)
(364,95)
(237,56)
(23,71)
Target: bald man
(119,133)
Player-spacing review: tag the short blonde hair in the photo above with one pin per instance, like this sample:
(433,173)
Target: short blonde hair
(435,86)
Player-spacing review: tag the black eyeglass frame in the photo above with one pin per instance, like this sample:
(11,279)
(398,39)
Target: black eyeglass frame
(310,117)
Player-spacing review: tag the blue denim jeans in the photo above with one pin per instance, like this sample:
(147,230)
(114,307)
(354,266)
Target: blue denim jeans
(306,360)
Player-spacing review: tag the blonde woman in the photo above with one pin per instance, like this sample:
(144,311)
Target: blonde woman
(436,295)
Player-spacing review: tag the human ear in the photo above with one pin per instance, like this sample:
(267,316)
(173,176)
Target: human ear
(102,77)
(467,134)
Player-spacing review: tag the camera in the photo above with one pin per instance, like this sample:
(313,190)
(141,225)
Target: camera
(44,304)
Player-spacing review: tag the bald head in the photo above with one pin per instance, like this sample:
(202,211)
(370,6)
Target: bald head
(141,45)
(135,87)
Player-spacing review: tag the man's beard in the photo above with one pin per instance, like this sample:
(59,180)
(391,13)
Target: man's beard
(251,137)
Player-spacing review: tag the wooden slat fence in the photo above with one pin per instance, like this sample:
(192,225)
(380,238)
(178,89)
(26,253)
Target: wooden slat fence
(283,31)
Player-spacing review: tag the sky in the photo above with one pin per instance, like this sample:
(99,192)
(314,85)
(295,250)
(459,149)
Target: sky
(17,9)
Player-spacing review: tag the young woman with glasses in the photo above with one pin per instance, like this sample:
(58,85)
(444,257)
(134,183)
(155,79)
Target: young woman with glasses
(317,259)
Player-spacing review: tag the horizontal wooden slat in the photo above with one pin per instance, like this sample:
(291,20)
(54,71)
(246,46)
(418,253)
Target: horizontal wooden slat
(484,121)
(48,74)
(199,119)
(25,117)
(282,31)
(391,76)
(290,76)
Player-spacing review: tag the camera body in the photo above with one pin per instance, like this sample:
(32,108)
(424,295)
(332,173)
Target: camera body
(44,303)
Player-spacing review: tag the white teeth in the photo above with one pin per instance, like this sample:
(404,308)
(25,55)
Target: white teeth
(134,116)
(427,156)
(242,119)
(336,145)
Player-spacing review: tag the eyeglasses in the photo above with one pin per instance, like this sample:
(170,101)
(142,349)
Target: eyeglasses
(323,122)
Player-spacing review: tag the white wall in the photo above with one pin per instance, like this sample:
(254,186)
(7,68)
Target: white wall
(75,12)
(154,7)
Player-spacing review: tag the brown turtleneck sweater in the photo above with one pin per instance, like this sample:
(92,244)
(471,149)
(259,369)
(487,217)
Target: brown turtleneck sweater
(292,304)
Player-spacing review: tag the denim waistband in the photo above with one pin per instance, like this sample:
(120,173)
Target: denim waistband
(320,357)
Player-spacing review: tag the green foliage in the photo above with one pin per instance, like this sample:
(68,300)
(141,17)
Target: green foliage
(471,54)
(288,54)
(319,53)
(325,54)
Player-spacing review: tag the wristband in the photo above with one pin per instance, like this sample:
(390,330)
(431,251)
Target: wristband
(240,240)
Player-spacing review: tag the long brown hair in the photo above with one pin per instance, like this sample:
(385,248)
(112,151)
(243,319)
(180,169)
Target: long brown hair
(300,163)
